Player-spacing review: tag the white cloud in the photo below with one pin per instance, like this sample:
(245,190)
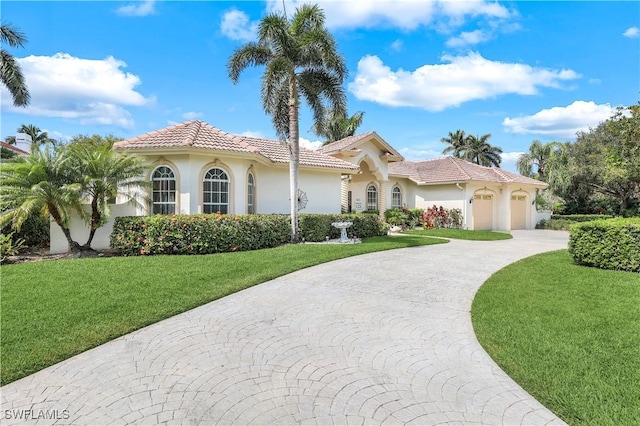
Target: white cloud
(237,26)
(191,115)
(90,91)
(413,154)
(140,8)
(461,79)
(632,32)
(509,159)
(404,14)
(397,45)
(306,143)
(253,134)
(468,38)
(561,122)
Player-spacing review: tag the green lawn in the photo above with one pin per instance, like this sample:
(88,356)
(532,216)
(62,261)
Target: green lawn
(52,310)
(568,334)
(461,234)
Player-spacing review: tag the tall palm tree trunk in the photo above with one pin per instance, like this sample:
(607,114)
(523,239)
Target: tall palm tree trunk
(294,152)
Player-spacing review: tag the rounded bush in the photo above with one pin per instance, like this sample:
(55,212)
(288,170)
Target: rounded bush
(607,244)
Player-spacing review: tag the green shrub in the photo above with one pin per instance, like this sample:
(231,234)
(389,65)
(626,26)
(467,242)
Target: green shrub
(555,224)
(607,244)
(317,227)
(198,234)
(397,217)
(9,246)
(34,230)
(581,217)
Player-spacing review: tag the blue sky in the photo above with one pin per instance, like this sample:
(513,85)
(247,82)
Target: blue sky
(520,70)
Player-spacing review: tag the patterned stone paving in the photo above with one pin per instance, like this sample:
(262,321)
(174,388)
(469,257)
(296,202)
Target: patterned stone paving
(385,338)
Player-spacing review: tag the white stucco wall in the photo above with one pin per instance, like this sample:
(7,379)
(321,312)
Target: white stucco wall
(272,183)
(80,230)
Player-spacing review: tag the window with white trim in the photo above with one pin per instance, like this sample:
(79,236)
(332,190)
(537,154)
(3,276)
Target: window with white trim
(163,197)
(372,197)
(215,192)
(251,193)
(396,197)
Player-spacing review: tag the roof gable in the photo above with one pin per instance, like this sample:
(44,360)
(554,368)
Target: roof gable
(198,134)
(352,143)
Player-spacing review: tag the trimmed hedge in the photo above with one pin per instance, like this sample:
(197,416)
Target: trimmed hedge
(316,227)
(581,217)
(198,234)
(555,224)
(607,244)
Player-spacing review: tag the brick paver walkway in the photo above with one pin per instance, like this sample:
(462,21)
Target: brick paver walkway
(384,338)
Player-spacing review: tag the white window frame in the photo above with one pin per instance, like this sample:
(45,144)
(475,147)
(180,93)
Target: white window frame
(372,197)
(163,176)
(219,191)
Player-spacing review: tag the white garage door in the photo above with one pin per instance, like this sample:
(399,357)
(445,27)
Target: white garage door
(518,212)
(482,211)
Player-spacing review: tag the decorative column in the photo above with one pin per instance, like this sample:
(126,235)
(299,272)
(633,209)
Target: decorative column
(382,201)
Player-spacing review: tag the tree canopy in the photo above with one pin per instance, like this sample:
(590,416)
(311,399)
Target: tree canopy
(10,71)
(473,148)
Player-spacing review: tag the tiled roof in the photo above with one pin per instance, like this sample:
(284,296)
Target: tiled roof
(345,143)
(198,134)
(351,143)
(451,169)
(13,148)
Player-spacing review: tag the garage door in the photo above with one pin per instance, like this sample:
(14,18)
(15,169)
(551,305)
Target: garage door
(482,211)
(518,212)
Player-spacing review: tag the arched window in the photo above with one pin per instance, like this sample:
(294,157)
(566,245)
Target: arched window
(372,197)
(216,192)
(163,198)
(251,194)
(396,197)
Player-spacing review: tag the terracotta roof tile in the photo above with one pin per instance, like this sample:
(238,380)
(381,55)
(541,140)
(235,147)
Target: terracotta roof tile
(450,169)
(13,148)
(344,143)
(198,134)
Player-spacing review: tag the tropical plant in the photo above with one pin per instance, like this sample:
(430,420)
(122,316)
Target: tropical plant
(38,137)
(335,127)
(10,71)
(457,141)
(300,58)
(9,246)
(479,151)
(42,182)
(539,155)
(103,174)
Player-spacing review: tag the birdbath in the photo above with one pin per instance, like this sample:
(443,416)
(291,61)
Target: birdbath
(342,226)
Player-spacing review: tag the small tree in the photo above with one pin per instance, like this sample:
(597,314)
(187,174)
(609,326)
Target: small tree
(101,172)
(43,182)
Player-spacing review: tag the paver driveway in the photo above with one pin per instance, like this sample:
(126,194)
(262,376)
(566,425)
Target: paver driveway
(383,338)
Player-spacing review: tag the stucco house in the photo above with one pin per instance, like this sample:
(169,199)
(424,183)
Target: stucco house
(197,168)
(490,198)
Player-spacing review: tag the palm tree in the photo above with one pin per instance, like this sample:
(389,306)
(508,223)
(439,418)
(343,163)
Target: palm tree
(539,155)
(336,127)
(300,58)
(10,71)
(479,151)
(456,141)
(38,137)
(41,183)
(101,171)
